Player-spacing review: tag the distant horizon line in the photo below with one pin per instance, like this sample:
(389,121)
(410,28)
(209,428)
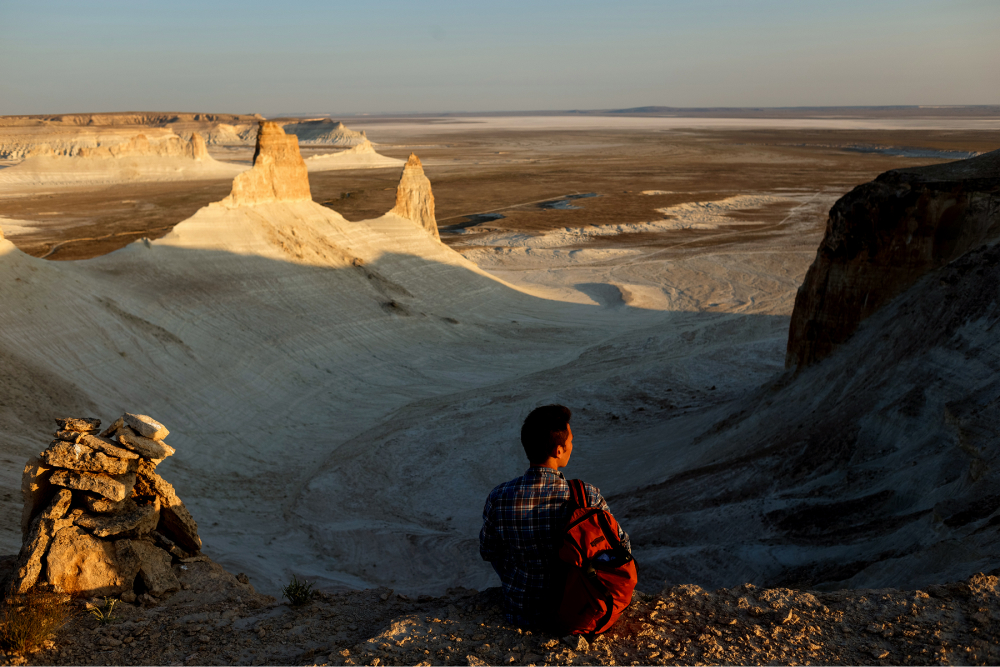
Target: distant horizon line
(740,111)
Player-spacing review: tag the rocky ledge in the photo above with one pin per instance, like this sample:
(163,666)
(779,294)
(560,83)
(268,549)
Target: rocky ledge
(218,619)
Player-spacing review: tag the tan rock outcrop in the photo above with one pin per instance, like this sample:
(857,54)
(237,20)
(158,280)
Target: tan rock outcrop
(140,146)
(414,199)
(79,564)
(882,237)
(145,426)
(278,173)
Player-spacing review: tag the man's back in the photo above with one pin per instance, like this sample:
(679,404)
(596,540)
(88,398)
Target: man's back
(523,524)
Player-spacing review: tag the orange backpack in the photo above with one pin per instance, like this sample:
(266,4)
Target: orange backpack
(601,572)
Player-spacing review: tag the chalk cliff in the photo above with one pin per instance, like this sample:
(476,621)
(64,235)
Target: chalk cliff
(414,199)
(325,131)
(140,146)
(882,237)
(278,174)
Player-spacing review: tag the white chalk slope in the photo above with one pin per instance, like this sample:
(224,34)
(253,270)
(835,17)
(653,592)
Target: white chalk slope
(362,156)
(342,395)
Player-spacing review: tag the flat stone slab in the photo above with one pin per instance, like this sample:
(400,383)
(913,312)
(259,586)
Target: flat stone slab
(175,519)
(109,447)
(143,446)
(146,426)
(132,523)
(113,487)
(101,505)
(79,424)
(61,454)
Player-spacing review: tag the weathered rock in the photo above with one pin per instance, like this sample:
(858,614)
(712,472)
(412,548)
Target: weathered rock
(144,447)
(62,454)
(79,424)
(113,487)
(175,520)
(36,491)
(168,545)
(40,533)
(69,436)
(882,237)
(155,570)
(146,426)
(278,174)
(80,564)
(414,199)
(131,523)
(199,150)
(101,505)
(107,446)
(110,431)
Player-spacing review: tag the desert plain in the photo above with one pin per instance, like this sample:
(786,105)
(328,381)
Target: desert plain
(344,390)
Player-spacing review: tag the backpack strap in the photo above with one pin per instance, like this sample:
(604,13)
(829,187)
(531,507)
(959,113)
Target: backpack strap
(578,493)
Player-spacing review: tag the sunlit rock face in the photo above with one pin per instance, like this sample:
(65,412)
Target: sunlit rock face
(278,174)
(414,199)
(883,236)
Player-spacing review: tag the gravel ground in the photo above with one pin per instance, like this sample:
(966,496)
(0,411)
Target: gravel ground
(219,619)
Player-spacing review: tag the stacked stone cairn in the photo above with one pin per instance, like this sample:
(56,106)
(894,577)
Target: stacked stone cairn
(98,520)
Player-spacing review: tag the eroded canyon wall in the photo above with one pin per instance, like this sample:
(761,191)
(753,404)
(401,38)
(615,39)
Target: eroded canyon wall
(882,237)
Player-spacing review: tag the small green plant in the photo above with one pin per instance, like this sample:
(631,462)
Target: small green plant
(26,621)
(105,613)
(298,592)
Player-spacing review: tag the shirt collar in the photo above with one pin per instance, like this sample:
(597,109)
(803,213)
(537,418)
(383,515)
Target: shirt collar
(540,471)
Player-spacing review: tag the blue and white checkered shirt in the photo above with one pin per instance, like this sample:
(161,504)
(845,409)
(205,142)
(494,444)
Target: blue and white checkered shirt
(523,524)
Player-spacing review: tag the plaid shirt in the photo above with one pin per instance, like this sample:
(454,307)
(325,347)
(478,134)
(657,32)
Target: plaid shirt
(523,523)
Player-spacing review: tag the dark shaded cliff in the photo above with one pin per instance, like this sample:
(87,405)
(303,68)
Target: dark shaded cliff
(882,237)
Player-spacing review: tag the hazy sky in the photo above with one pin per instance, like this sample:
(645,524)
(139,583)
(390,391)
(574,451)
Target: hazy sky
(387,56)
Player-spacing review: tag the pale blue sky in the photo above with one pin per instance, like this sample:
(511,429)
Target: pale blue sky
(433,56)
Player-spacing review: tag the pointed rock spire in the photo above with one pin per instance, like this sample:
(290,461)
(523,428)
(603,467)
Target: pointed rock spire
(414,199)
(278,173)
(199,150)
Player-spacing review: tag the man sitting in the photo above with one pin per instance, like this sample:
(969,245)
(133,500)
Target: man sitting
(524,520)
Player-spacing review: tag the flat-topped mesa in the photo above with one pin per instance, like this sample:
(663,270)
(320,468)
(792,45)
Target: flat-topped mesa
(414,199)
(882,237)
(279,172)
(140,146)
(97,515)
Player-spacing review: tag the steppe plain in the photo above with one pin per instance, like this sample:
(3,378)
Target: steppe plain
(654,264)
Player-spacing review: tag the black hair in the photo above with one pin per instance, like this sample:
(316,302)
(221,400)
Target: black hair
(544,430)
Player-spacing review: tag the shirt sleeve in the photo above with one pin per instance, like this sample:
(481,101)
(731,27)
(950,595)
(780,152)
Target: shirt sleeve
(595,499)
(490,545)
